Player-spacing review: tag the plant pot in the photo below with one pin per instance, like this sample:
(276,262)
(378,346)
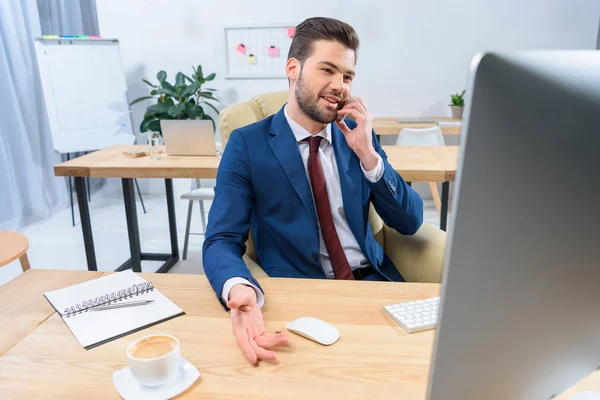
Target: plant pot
(457,112)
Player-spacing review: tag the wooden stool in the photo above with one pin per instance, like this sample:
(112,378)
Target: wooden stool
(13,245)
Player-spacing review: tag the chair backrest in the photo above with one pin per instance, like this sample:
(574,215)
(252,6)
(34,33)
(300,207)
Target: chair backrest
(248,112)
(421,137)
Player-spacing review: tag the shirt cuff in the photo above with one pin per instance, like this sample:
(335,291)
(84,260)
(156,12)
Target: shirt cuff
(231,282)
(376,173)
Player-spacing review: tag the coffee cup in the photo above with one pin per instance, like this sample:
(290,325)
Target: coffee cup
(154,359)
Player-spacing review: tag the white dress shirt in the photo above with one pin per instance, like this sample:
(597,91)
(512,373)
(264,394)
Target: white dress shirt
(352,250)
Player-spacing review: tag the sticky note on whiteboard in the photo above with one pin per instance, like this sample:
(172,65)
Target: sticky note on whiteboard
(240,48)
(273,51)
(251,59)
(291,31)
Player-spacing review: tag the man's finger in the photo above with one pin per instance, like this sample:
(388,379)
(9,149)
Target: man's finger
(352,111)
(342,125)
(262,353)
(362,103)
(271,342)
(243,341)
(357,103)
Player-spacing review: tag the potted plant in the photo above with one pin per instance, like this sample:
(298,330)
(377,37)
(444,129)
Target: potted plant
(186,99)
(457,105)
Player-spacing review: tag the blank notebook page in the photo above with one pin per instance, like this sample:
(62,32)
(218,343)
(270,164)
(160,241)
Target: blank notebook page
(92,328)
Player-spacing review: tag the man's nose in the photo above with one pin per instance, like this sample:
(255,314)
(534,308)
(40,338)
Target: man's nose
(337,85)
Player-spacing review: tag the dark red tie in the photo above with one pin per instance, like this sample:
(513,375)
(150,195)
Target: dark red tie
(341,268)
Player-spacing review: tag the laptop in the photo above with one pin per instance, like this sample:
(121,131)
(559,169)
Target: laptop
(192,137)
(520,303)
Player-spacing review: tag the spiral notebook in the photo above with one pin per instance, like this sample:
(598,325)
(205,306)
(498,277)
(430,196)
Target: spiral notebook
(93,328)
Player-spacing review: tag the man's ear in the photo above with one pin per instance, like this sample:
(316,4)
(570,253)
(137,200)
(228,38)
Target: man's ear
(292,69)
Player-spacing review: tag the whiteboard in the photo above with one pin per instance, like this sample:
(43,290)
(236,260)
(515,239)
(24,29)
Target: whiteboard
(85,93)
(264,52)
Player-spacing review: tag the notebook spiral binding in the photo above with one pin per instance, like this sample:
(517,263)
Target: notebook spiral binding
(108,298)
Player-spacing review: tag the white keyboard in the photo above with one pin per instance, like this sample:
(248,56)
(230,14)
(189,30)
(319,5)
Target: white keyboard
(415,315)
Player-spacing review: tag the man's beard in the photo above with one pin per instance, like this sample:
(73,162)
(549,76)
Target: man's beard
(310,105)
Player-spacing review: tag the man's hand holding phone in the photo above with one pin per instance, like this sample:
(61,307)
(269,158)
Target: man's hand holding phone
(360,138)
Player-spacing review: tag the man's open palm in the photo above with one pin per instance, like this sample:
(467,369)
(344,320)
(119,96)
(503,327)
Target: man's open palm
(249,326)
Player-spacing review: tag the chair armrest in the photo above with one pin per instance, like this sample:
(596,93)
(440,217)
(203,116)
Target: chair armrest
(418,257)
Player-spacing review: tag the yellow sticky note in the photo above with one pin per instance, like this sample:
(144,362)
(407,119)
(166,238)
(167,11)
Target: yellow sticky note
(251,59)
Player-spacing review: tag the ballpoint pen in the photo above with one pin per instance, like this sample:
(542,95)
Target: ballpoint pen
(121,305)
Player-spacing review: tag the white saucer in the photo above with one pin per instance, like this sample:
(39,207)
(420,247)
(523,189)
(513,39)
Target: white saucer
(129,389)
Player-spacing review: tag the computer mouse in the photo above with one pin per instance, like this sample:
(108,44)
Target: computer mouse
(315,330)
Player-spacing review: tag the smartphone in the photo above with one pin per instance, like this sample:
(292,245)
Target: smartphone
(343,117)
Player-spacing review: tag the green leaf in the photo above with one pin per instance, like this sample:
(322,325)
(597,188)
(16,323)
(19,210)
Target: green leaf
(179,79)
(148,83)
(190,90)
(168,91)
(139,99)
(145,125)
(208,95)
(161,76)
(188,78)
(167,85)
(213,107)
(210,77)
(159,107)
(154,92)
(199,72)
(155,126)
(177,109)
(212,90)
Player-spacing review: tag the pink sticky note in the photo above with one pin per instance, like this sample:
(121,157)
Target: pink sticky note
(273,51)
(291,31)
(241,49)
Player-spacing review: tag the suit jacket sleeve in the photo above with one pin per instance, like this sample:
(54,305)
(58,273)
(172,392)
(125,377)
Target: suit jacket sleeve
(229,218)
(399,205)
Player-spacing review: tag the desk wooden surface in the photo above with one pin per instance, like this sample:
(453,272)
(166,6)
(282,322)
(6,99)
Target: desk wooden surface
(373,359)
(415,164)
(389,126)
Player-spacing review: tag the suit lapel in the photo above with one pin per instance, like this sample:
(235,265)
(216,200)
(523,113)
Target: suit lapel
(351,177)
(284,146)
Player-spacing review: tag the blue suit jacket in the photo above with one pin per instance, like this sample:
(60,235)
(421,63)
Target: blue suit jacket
(262,183)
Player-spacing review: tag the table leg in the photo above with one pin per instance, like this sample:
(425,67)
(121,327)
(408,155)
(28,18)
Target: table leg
(444,213)
(133,230)
(134,233)
(172,228)
(86,224)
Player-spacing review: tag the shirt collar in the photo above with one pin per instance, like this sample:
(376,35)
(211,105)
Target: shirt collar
(300,133)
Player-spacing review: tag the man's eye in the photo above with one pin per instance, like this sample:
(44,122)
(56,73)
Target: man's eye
(327,70)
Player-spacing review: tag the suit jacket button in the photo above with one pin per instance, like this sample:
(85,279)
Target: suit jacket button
(315,257)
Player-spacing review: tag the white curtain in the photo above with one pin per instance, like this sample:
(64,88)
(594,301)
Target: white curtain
(29,191)
(68,17)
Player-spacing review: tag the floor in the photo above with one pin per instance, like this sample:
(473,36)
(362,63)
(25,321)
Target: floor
(56,244)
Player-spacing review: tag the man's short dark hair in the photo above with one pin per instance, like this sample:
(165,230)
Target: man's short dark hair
(321,28)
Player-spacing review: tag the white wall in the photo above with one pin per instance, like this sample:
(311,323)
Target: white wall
(413,54)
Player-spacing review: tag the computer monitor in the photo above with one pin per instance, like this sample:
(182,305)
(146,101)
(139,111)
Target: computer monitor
(520,306)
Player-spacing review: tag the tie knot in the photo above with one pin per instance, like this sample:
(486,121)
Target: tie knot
(314,142)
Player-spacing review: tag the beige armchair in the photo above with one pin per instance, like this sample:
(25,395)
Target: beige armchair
(418,257)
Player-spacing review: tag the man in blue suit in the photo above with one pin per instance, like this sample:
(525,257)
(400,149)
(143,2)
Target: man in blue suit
(304,185)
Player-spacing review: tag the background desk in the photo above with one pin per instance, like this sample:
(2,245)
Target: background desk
(373,359)
(389,126)
(415,164)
